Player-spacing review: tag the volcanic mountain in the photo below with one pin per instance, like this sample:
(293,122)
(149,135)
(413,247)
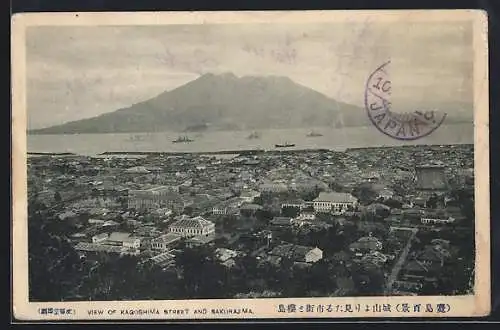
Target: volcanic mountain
(223,102)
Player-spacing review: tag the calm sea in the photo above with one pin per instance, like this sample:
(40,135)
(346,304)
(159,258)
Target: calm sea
(334,139)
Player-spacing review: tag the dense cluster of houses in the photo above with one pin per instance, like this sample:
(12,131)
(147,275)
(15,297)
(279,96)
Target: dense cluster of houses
(147,206)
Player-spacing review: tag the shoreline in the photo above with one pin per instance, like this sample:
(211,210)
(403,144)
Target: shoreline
(241,152)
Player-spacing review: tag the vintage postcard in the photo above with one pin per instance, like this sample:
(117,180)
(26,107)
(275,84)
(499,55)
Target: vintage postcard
(250,165)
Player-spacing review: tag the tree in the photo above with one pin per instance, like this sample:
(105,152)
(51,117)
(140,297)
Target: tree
(264,216)
(290,211)
(279,279)
(203,276)
(369,279)
(54,267)
(432,201)
(320,278)
(57,196)
(309,195)
(365,193)
(335,186)
(393,204)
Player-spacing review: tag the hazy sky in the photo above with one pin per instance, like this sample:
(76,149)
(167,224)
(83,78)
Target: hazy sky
(80,72)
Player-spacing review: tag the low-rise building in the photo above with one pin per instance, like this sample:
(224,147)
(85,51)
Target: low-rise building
(96,221)
(386,193)
(189,227)
(250,209)
(200,240)
(249,195)
(164,242)
(132,242)
(153,198)
(123,239)
(305,217)
(298,253)
(97,247)
(436,218)
(335,202)
(273,188)
(99,238)
(296,203)
(165,259)
(230,206)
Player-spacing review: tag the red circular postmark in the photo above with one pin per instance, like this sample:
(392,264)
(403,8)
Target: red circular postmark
(401,126)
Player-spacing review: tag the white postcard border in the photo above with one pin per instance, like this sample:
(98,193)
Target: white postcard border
(262,308)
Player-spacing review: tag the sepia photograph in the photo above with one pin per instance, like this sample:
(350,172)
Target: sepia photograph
(250,165)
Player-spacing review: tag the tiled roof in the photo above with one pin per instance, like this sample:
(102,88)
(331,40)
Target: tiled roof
(91,247)
(118,236)
(167,238)
(249,193)
(335,197)
(251,206)
(201,239)
(130,239)
(293,201)
(197,222)
(166,256)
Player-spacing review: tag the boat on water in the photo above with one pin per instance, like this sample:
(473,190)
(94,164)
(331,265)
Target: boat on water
(285,145)
(182,139)
(254,135)
(136,138)
(314,134)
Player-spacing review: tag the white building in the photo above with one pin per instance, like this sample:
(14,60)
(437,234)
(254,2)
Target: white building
(124,239)
(437,220)
(313,255)
(230,206)
(334,202)
(386,193)
(99,238)
(299,204)
(190,227)
(132,242)
(304,218)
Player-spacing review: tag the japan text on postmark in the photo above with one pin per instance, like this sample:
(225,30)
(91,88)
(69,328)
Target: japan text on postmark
(401,126)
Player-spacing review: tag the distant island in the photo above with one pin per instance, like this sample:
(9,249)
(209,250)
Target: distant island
(225,102)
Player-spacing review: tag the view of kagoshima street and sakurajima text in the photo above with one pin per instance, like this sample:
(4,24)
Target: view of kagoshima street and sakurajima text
(238,160)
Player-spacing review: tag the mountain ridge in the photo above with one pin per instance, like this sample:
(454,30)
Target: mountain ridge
(223,102)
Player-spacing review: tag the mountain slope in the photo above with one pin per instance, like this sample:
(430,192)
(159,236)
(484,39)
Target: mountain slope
(219,102)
